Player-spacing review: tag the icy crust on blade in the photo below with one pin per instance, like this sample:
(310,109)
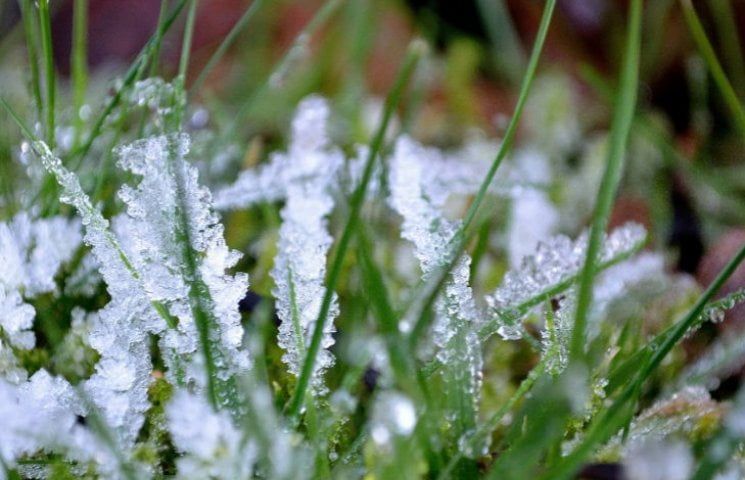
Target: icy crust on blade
(300,265)
(41,415)
(170,229)
(555,261)
(209,443)
(456,316)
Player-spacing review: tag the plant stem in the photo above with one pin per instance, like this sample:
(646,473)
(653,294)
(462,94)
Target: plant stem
(620,127)
(415,51)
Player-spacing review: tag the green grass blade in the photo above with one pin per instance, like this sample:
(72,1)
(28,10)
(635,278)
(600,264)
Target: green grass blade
(79,65)
(183,65)
(715,68)
(30,28)
(416,314)
(725,17)
(621,125)
(509,135)
(415,51)
(50,80)
(225,44)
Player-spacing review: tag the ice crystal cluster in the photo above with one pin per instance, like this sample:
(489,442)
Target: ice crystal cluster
(163,381)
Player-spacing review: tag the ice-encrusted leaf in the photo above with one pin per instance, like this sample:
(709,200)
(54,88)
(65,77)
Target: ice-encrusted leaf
(300,265)
(454,330)
(176,242)
(553,268)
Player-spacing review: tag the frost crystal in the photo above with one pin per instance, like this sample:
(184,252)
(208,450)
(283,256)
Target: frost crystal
(554,262)
(300,265)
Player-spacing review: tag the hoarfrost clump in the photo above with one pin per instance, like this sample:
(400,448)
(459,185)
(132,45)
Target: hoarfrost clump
(31,253)
(41,415)
(306,177)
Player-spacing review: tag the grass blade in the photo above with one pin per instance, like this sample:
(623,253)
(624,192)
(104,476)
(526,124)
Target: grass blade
(79,65)
(509,135)
(715,68)
(225,44)
(30,23)
(622,119)
(45,29)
